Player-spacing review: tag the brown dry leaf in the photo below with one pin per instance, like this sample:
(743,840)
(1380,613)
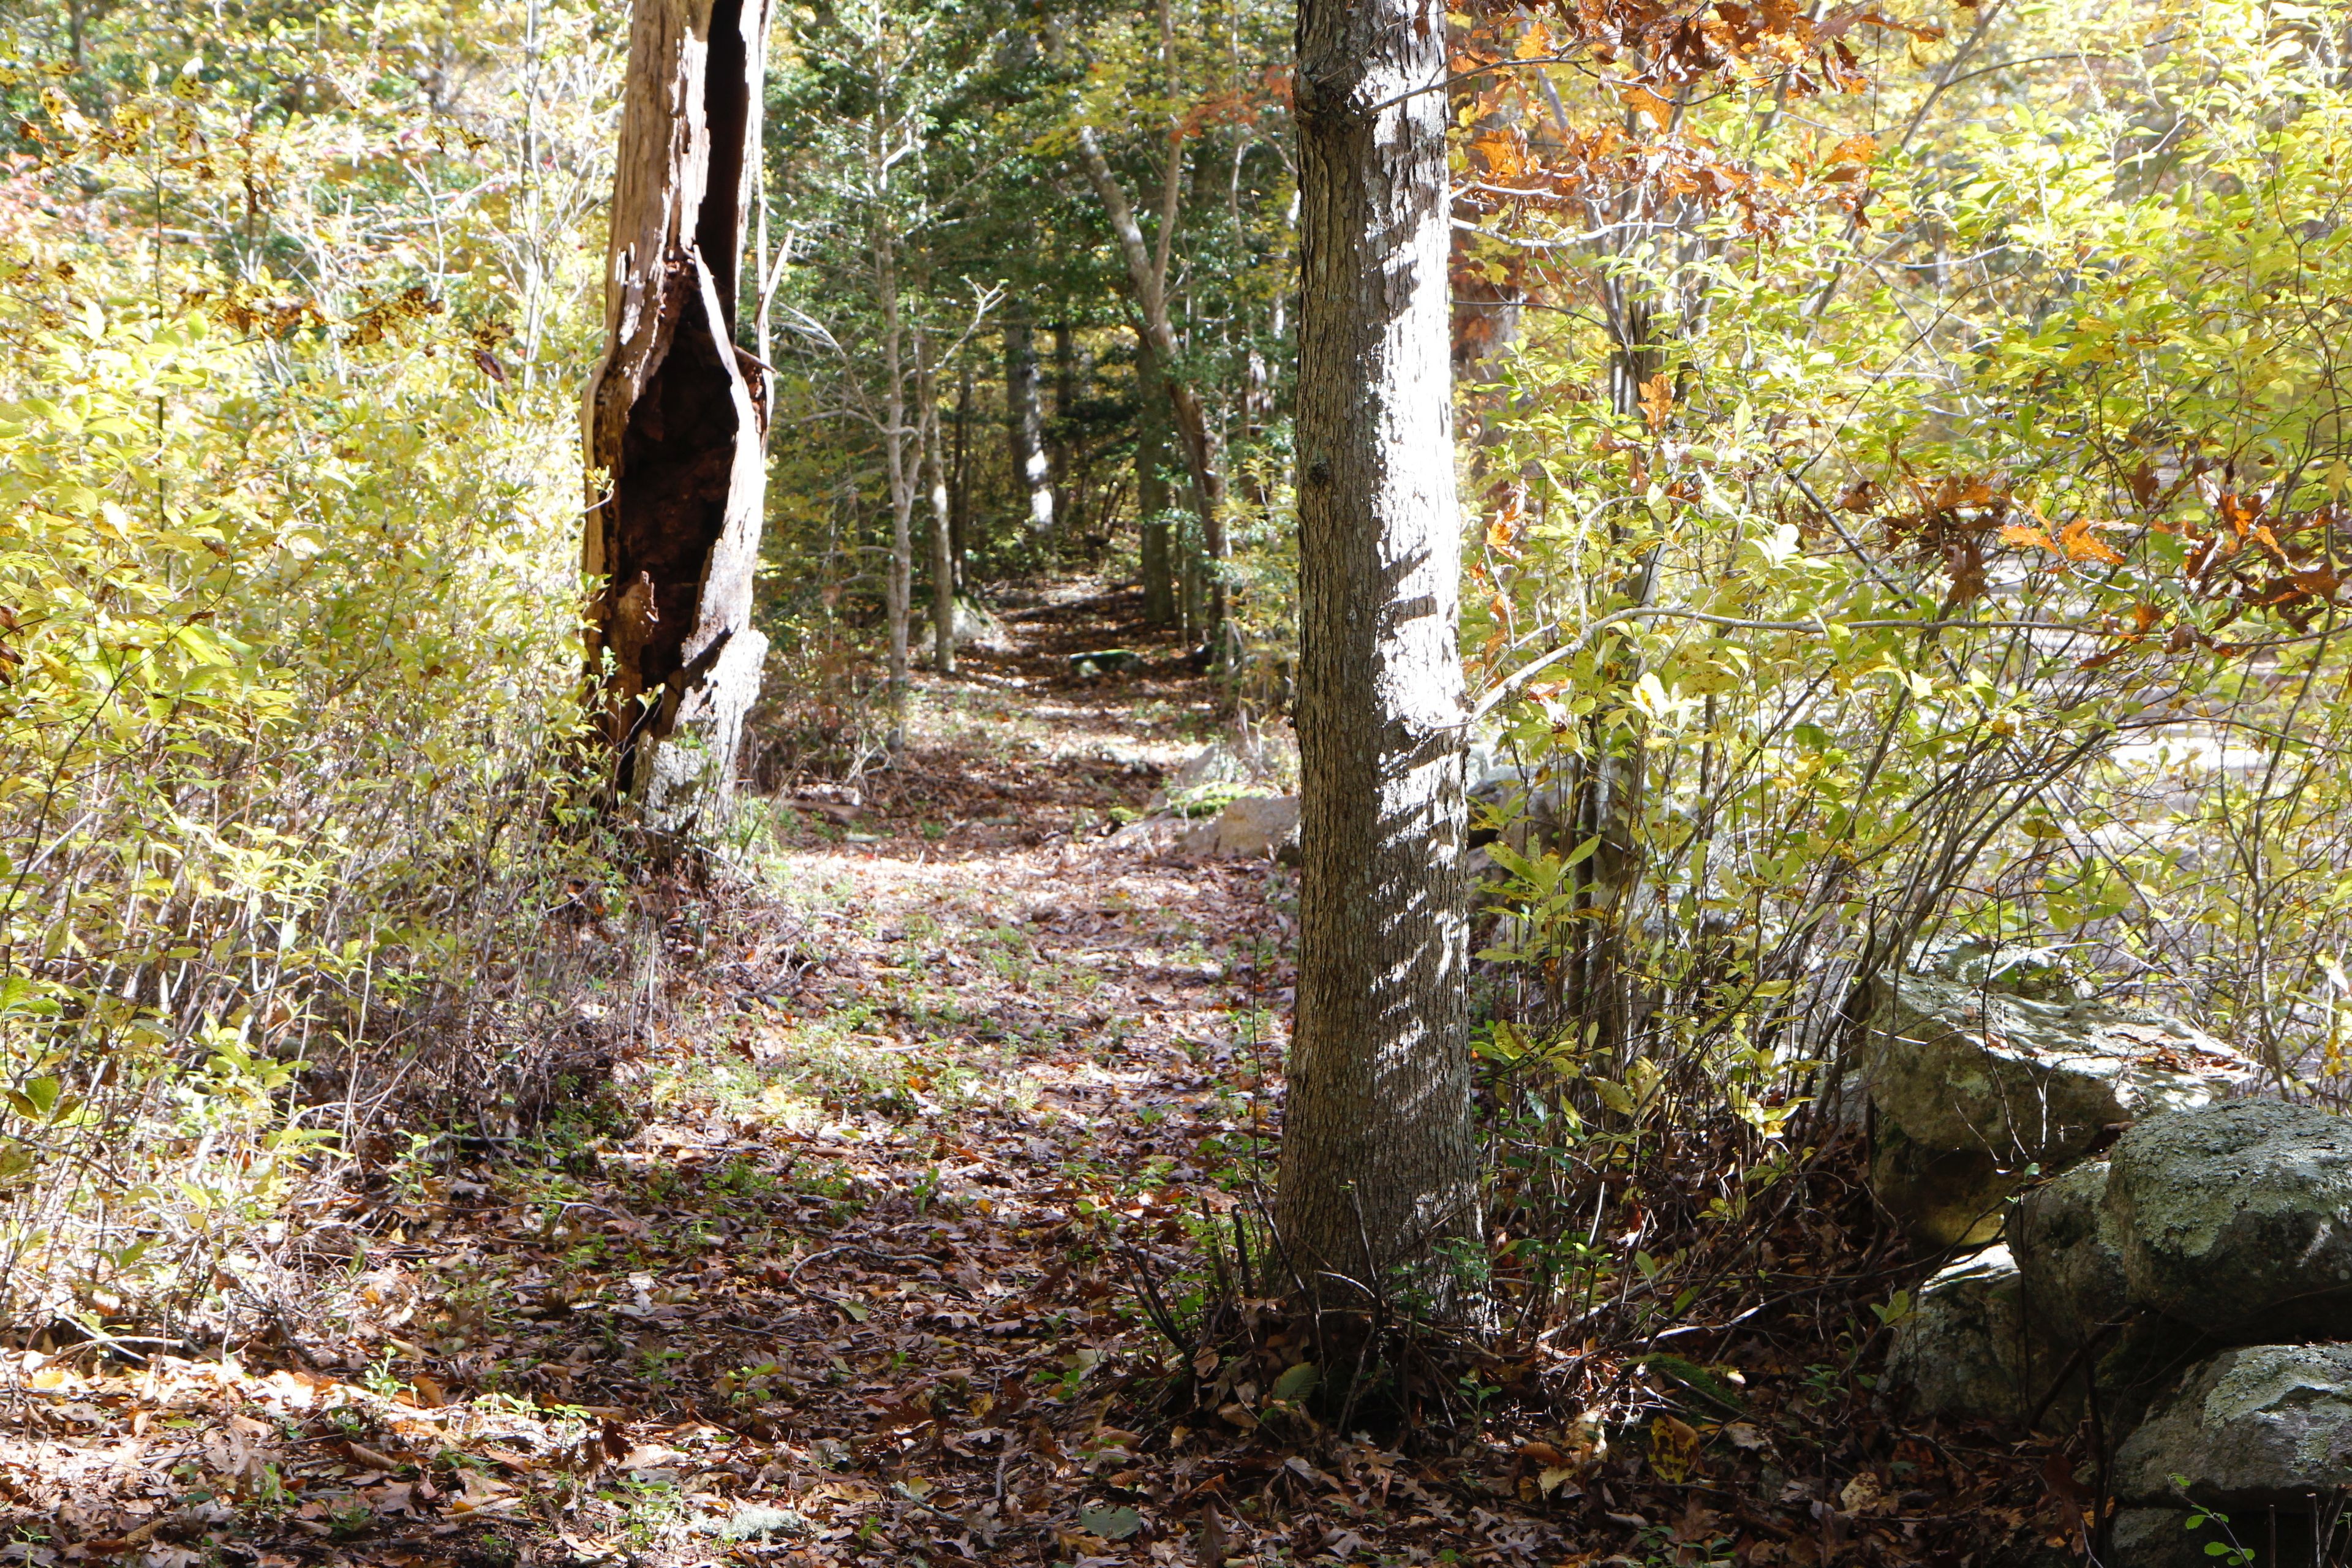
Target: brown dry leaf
(2080,544)
(1657,401)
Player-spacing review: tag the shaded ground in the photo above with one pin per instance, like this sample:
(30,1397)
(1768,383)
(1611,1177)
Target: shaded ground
(850,1257)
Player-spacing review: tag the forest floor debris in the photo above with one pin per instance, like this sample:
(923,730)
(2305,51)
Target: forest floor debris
(838,1264)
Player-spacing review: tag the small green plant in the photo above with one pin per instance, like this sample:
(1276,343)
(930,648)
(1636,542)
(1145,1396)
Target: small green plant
(648,1508)
(348,1519)
(379,1379)
(2225,1551)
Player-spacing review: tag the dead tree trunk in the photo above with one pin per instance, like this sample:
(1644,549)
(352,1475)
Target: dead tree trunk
(1378,1161)
(674,416)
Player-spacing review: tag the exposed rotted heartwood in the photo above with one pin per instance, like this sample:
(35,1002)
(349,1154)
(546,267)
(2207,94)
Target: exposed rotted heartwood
(676,414)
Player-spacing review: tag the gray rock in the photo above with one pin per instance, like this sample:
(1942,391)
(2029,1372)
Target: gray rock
(1527,811)
(1253,754)
(2078,1316)
(1959,1067)
(2161,1538)
(1104,661)
(1155,834)
(2258,1425)
(2157,1538)
(1944,1197)
(1252,826)
(1975,1348)
(1960,1352)
(2069,1254)
(975,627)
(2036,974)
(2237,1219)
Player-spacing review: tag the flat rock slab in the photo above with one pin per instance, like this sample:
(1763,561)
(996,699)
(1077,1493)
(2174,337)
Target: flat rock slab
(2237,1219)
(1958,1066)
(1251,827)
(2254,1427)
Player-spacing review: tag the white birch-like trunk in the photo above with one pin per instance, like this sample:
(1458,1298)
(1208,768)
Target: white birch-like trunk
(1147,276)
(1025,423)
(1379,1169)
(934,475)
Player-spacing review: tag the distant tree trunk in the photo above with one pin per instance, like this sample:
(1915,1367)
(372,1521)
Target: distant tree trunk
(1377,1160)
(898,591)
(1025,422)
(935,471)
(959,505)
(674,417)
(1059,446)
(1151,487)
(1147,276)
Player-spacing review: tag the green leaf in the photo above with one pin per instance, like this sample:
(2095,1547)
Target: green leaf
(1296,1382)
(1110,1524)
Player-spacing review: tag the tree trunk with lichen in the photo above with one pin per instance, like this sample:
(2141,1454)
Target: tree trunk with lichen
(676,416)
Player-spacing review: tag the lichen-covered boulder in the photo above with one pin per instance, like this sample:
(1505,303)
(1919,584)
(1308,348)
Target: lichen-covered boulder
(1960,1352)
(2068,1254)
(2254,1427)
(1960,1066)
(2237,1219)
(2077,1317)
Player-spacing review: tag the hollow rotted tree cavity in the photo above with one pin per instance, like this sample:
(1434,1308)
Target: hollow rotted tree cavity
(676,414)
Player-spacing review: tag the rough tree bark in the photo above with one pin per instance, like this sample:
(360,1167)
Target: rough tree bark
(1025,421)
(1058,443)
(674,416)
(959,500)
(1157,564)
(1378,1167)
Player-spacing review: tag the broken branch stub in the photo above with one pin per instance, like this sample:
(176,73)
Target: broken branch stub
(676,417)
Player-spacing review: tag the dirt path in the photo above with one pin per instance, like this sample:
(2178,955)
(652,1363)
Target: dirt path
(825,1271)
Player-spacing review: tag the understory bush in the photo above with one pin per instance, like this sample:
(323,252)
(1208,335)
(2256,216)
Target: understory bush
(1926,524)
(289,592)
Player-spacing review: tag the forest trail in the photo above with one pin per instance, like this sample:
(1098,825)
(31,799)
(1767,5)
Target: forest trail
(833,1265)
(848,1251)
